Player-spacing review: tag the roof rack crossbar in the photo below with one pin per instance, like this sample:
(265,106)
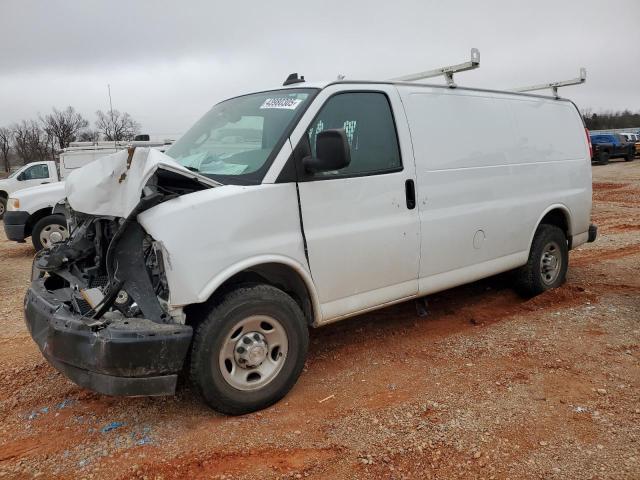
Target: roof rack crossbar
(447,72)
(555,85)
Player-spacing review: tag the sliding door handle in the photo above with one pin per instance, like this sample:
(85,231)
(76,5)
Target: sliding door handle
(410,193)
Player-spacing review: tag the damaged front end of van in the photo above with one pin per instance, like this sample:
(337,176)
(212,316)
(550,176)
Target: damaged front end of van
(99,303)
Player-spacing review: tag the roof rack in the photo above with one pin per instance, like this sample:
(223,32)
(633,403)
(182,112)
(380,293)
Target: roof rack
(447,72)
(555,85)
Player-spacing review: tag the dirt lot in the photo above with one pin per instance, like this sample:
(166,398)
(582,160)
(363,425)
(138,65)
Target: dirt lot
(488,385)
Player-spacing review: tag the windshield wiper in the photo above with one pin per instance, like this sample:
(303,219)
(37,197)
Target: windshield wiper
(193,169)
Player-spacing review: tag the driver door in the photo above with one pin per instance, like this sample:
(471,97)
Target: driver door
(34,175)
(362,232)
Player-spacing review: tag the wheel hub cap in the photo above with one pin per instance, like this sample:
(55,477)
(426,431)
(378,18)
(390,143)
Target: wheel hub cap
(550,263)
(55,237)
(53,234)
(251,350)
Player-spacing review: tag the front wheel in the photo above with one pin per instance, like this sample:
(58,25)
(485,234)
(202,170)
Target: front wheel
(49,230)
(630,156)
(603,158)
(547,264)
(249,350)
(3,207)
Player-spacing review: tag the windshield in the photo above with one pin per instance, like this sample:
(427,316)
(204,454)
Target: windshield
(237,139)
(15,173)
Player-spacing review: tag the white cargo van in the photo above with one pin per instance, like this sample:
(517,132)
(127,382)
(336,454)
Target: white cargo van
(298,207)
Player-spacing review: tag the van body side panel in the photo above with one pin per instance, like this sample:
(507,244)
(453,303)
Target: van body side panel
(207,233)
(488,165)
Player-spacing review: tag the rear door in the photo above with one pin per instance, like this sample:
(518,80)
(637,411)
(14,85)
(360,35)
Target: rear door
(362,231)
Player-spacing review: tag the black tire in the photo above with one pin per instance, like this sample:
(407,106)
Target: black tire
(603,158)
(530,279)
(41,225)
(215,332)
(3,207)
(630,156)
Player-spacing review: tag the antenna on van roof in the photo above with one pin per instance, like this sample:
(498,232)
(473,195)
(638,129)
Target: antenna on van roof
(555,85)
(447,72)
(293,78)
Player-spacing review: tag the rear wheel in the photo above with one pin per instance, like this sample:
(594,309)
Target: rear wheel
(630,156)
(48,231)
(603,158)
(548,261)
(249,351)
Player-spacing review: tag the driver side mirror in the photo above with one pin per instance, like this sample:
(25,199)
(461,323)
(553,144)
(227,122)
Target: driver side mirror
(332,152)
(20,177)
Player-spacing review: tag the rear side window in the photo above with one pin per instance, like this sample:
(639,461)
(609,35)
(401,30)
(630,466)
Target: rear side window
(368,123)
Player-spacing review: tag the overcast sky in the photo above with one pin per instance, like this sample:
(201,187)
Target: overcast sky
(168,62)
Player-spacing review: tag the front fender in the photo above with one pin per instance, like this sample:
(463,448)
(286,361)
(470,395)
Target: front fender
(257,261)
(212,234)
(39,197)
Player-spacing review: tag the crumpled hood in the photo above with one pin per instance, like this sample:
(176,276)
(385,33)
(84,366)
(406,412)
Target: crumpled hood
(112,185)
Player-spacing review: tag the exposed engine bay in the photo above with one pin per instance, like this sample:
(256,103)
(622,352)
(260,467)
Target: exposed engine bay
(109,267)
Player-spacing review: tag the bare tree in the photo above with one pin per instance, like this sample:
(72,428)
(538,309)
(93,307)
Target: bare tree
(89,135)
(6,137)
(31,143)
(63,125)
(116,126)
(608,119)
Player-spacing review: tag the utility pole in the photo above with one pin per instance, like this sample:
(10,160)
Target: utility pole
(113,125)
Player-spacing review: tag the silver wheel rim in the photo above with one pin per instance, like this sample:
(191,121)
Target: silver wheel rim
(53,233)
(1,208)
(253,352)
(550,263)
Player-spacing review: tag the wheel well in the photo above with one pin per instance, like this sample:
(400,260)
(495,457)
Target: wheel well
(558,218)
(276,274)
(4,194)
(34,217)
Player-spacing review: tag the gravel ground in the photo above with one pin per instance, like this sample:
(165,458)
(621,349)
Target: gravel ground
(488,385)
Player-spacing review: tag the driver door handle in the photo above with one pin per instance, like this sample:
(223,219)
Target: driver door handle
(410,194)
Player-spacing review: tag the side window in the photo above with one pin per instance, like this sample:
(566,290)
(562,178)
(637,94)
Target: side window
(36,172)
(368,123)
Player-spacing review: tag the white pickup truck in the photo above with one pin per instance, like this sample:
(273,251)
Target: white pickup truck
(30,212)
(30,175)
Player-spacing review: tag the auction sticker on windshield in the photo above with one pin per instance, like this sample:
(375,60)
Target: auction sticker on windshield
(286,103)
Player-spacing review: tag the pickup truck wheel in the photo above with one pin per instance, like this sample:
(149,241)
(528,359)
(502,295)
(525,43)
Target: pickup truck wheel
(49,230)
(603,158)
(3,206)
(630,156)
(249,351)
(547,264)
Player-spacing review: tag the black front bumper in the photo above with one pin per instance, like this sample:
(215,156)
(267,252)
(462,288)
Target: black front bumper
(15,223)
(129,356)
